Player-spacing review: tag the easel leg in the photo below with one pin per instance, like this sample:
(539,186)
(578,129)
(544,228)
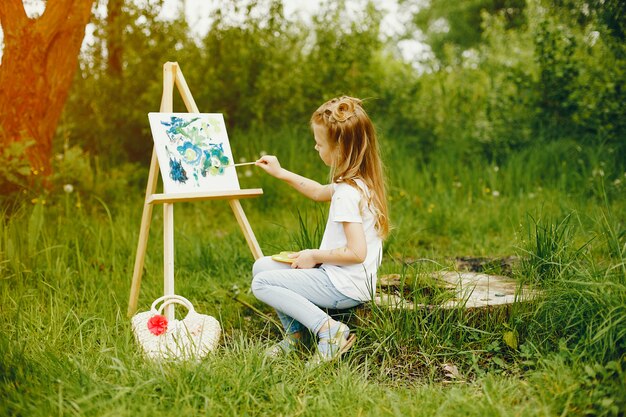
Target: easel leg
(168,256)
(144,231)
(139,260)
(246,229)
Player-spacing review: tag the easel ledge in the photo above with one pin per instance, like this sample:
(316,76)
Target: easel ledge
(216,195)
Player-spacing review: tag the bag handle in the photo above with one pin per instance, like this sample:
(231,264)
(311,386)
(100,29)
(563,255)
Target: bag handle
(170,299)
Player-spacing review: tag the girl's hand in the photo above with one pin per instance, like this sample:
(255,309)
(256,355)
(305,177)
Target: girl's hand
(270,164)
(304,259)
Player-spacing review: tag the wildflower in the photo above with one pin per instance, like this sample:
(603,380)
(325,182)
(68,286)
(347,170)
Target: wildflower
(487,190)
(496,168)
(457,184)
(248,173)
(495,193)
(617,182)
(598,172)
(242,160)
(235,289)
(592,37)
(157,324)
(68,188)
(431,206)
(262,153)
(34,200)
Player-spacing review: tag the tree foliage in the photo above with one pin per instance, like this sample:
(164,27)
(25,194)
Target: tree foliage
(561,74)
(557,71)
(262,70)
(457,24)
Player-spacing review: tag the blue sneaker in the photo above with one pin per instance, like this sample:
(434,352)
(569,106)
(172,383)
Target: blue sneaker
(285,347)
(332,344)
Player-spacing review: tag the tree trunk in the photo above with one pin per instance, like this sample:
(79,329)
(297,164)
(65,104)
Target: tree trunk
(39,60)
(114,32)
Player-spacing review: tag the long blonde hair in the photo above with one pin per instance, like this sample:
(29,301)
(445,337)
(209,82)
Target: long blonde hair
(352,136)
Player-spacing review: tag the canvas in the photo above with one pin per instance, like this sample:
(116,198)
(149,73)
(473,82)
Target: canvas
(193,152)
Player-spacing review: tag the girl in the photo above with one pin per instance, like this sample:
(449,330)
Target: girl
(342,272)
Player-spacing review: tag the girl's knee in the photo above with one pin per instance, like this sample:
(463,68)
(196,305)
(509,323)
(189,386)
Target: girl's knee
(258,282)
(261,264)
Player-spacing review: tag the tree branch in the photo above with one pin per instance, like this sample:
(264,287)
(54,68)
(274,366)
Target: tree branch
(52,18)
(12,16)
(81,11)
(62,14)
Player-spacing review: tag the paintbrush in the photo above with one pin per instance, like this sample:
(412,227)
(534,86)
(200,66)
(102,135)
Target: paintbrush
(218,165)
(239,165)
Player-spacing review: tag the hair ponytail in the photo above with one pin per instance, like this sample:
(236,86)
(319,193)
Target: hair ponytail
(352,134)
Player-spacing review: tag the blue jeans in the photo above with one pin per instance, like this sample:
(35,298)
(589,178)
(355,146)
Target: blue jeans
(297,294)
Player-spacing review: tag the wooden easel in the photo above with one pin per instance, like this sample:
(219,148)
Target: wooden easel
(173,75)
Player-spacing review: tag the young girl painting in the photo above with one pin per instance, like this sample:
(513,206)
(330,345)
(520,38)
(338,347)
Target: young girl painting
(342,272)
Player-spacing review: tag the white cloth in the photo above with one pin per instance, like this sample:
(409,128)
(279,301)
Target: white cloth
(349,205)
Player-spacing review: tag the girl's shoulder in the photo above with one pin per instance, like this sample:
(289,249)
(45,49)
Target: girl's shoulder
(353,186)
(357,183)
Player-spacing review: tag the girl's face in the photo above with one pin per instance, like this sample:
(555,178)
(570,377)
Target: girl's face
(322,146)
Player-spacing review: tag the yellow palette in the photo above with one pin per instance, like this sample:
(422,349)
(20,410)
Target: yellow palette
(283,257)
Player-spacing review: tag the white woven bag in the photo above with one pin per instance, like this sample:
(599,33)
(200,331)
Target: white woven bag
(190,338)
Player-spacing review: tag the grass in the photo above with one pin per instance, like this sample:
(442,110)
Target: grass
(66,266)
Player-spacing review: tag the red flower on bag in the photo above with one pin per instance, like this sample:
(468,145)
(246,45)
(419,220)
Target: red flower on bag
(157,324)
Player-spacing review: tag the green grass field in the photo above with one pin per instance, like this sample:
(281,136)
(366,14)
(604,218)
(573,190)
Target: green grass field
(67,258)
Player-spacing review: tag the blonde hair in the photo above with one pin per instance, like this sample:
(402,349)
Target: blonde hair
(352,136)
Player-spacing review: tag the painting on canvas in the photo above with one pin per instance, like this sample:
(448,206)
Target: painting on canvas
(193,152)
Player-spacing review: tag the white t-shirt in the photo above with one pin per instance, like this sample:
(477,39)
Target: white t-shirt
(356,281)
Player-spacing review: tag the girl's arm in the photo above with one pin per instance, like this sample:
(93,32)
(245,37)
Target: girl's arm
(312,189)
(354,252)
